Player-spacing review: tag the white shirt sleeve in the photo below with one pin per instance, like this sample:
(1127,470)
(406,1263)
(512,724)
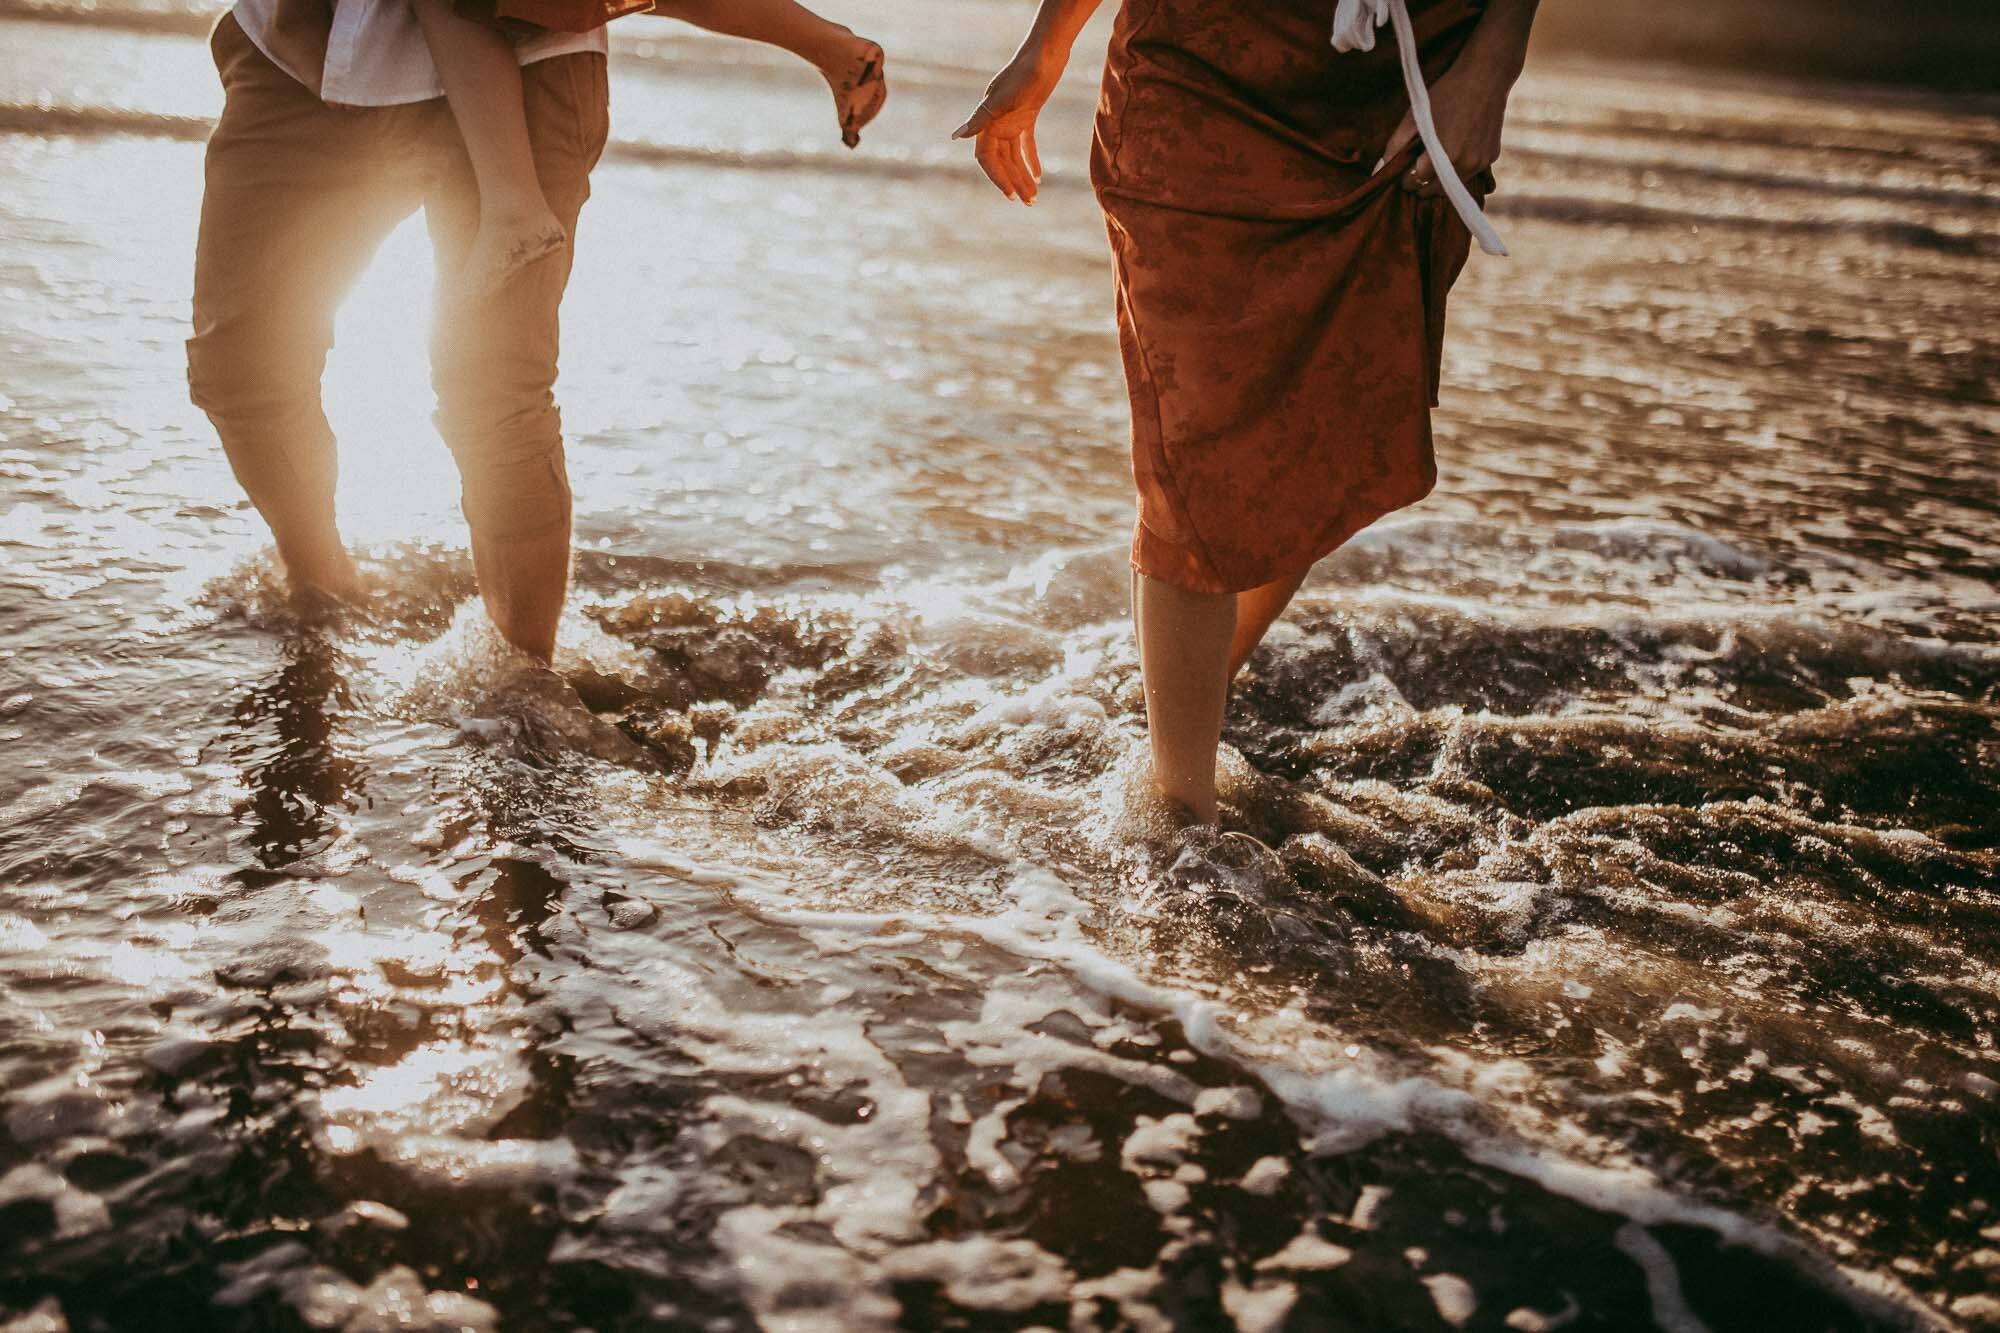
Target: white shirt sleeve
(376,56)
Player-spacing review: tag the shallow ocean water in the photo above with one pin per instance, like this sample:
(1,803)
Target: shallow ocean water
(796,954)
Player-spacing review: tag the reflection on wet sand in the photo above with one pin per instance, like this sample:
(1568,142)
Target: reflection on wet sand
(285,745)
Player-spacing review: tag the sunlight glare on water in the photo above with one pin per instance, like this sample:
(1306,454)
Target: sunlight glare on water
(396,476)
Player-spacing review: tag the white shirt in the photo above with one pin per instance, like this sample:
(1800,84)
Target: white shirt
(375,53)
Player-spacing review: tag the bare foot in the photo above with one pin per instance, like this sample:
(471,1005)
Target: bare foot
(321,568)
(859,88)
(333,583)
(508,242)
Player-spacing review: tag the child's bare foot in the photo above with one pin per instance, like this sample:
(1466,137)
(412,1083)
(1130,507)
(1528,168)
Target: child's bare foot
(859,88)
(508,242)
(317,566)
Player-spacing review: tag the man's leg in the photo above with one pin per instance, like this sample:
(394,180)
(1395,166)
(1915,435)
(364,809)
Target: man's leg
(493,356)
(297,197)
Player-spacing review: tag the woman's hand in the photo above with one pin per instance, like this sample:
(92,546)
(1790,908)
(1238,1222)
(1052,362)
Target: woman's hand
(1469,101)
(1468,107)
(1003,125)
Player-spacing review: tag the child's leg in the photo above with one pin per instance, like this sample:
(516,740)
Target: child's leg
(482,81)
(851,65)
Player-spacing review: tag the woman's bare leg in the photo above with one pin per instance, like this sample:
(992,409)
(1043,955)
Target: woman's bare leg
(1184,644)
(482,81)
(851,65)
(1256,611)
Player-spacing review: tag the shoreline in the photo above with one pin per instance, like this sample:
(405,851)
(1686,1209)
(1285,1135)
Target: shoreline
(1804,43)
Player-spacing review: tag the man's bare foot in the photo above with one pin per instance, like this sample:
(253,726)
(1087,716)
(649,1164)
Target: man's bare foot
(324,581)
(315,557)
(859,88)
(509,241)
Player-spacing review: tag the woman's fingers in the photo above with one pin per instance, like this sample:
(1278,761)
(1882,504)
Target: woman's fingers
(1025,185)
(1003,130)
(1022,151)
(1405,135)
(1014,160)
(1421,178)
(987,153)
(1003,158)
(981,117)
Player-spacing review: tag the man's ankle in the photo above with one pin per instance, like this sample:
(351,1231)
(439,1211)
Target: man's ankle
(323,567)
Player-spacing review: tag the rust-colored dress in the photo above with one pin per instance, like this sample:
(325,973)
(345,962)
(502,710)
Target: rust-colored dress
(1280,310)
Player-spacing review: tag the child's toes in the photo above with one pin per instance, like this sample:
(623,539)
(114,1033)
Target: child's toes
(501,254)
(859,92)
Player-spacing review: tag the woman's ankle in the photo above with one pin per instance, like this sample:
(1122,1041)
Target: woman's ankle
(1189,801)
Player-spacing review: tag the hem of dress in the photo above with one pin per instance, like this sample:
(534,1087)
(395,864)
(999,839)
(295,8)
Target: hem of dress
(1161,466)
(1157,558)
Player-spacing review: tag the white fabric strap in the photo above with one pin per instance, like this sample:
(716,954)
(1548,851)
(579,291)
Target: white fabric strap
(1354,25)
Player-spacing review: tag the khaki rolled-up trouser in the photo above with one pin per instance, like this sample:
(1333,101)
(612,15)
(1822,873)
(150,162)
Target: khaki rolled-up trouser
(298,197)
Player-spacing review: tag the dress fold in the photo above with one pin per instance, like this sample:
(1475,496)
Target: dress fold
(1280,303)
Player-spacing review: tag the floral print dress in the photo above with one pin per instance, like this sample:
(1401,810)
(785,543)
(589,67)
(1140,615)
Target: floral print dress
(1280,302)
